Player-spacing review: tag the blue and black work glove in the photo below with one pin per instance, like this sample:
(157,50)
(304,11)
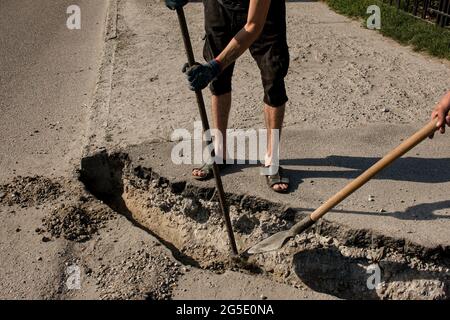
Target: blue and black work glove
(176,4)
(200,75)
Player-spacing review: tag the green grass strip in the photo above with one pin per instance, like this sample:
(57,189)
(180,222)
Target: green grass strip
(399,25)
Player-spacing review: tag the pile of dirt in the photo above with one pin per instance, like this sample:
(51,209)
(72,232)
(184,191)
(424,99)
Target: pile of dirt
(78,222)
(30,191)
(124,279)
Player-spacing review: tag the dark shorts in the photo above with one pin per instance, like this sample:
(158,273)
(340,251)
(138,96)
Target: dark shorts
(270,50)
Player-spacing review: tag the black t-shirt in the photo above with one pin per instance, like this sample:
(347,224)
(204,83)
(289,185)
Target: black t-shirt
(235,4)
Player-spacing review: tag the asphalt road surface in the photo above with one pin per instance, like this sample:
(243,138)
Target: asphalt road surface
(47,77)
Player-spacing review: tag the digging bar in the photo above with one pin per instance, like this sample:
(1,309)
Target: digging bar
(278,240)
(201,107)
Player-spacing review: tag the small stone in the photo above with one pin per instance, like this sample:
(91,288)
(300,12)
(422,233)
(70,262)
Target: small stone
(45,239)
(382,210)
(263,297)
(385,110)
(185,269)
(39,259)
(2,195)
(18,230)
(371,198)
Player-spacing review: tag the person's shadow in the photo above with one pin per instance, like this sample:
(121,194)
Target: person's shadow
(413,169)
(326,270)
(423,211)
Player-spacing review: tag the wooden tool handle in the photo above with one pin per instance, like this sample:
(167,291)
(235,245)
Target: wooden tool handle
(204,117)
(407,145)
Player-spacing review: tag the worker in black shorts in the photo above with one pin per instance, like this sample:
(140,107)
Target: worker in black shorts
(232,27)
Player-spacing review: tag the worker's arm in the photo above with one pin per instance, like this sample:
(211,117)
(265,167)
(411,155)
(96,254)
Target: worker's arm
(441,112)
(257,15)
(200,75)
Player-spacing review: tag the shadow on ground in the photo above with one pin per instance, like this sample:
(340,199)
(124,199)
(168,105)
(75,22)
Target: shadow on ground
(423,211)
(411,169)
(327,270)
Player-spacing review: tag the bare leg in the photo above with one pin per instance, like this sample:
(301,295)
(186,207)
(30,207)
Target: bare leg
(274,120)
(221,106)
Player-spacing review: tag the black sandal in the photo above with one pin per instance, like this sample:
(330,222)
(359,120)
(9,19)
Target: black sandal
(277,178)
(208,169)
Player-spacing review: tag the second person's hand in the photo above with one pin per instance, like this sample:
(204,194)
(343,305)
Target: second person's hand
(441,112)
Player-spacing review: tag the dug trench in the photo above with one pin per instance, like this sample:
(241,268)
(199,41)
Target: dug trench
(329,258)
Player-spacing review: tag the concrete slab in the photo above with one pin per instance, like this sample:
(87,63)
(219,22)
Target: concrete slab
(411,197)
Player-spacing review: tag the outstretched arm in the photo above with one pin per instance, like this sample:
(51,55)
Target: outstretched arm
(200,75)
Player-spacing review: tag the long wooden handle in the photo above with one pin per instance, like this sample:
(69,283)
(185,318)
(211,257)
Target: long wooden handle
(407,145)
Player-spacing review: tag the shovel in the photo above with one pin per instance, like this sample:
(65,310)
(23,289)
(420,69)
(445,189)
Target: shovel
(278,240)
(201,107)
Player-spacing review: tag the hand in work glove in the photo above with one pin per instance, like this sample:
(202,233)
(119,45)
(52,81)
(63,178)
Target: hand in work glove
(441,112)
(200,75)
(176,4)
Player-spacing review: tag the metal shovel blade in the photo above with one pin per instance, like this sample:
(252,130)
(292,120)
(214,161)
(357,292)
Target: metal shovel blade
(278,240)
(272,243)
